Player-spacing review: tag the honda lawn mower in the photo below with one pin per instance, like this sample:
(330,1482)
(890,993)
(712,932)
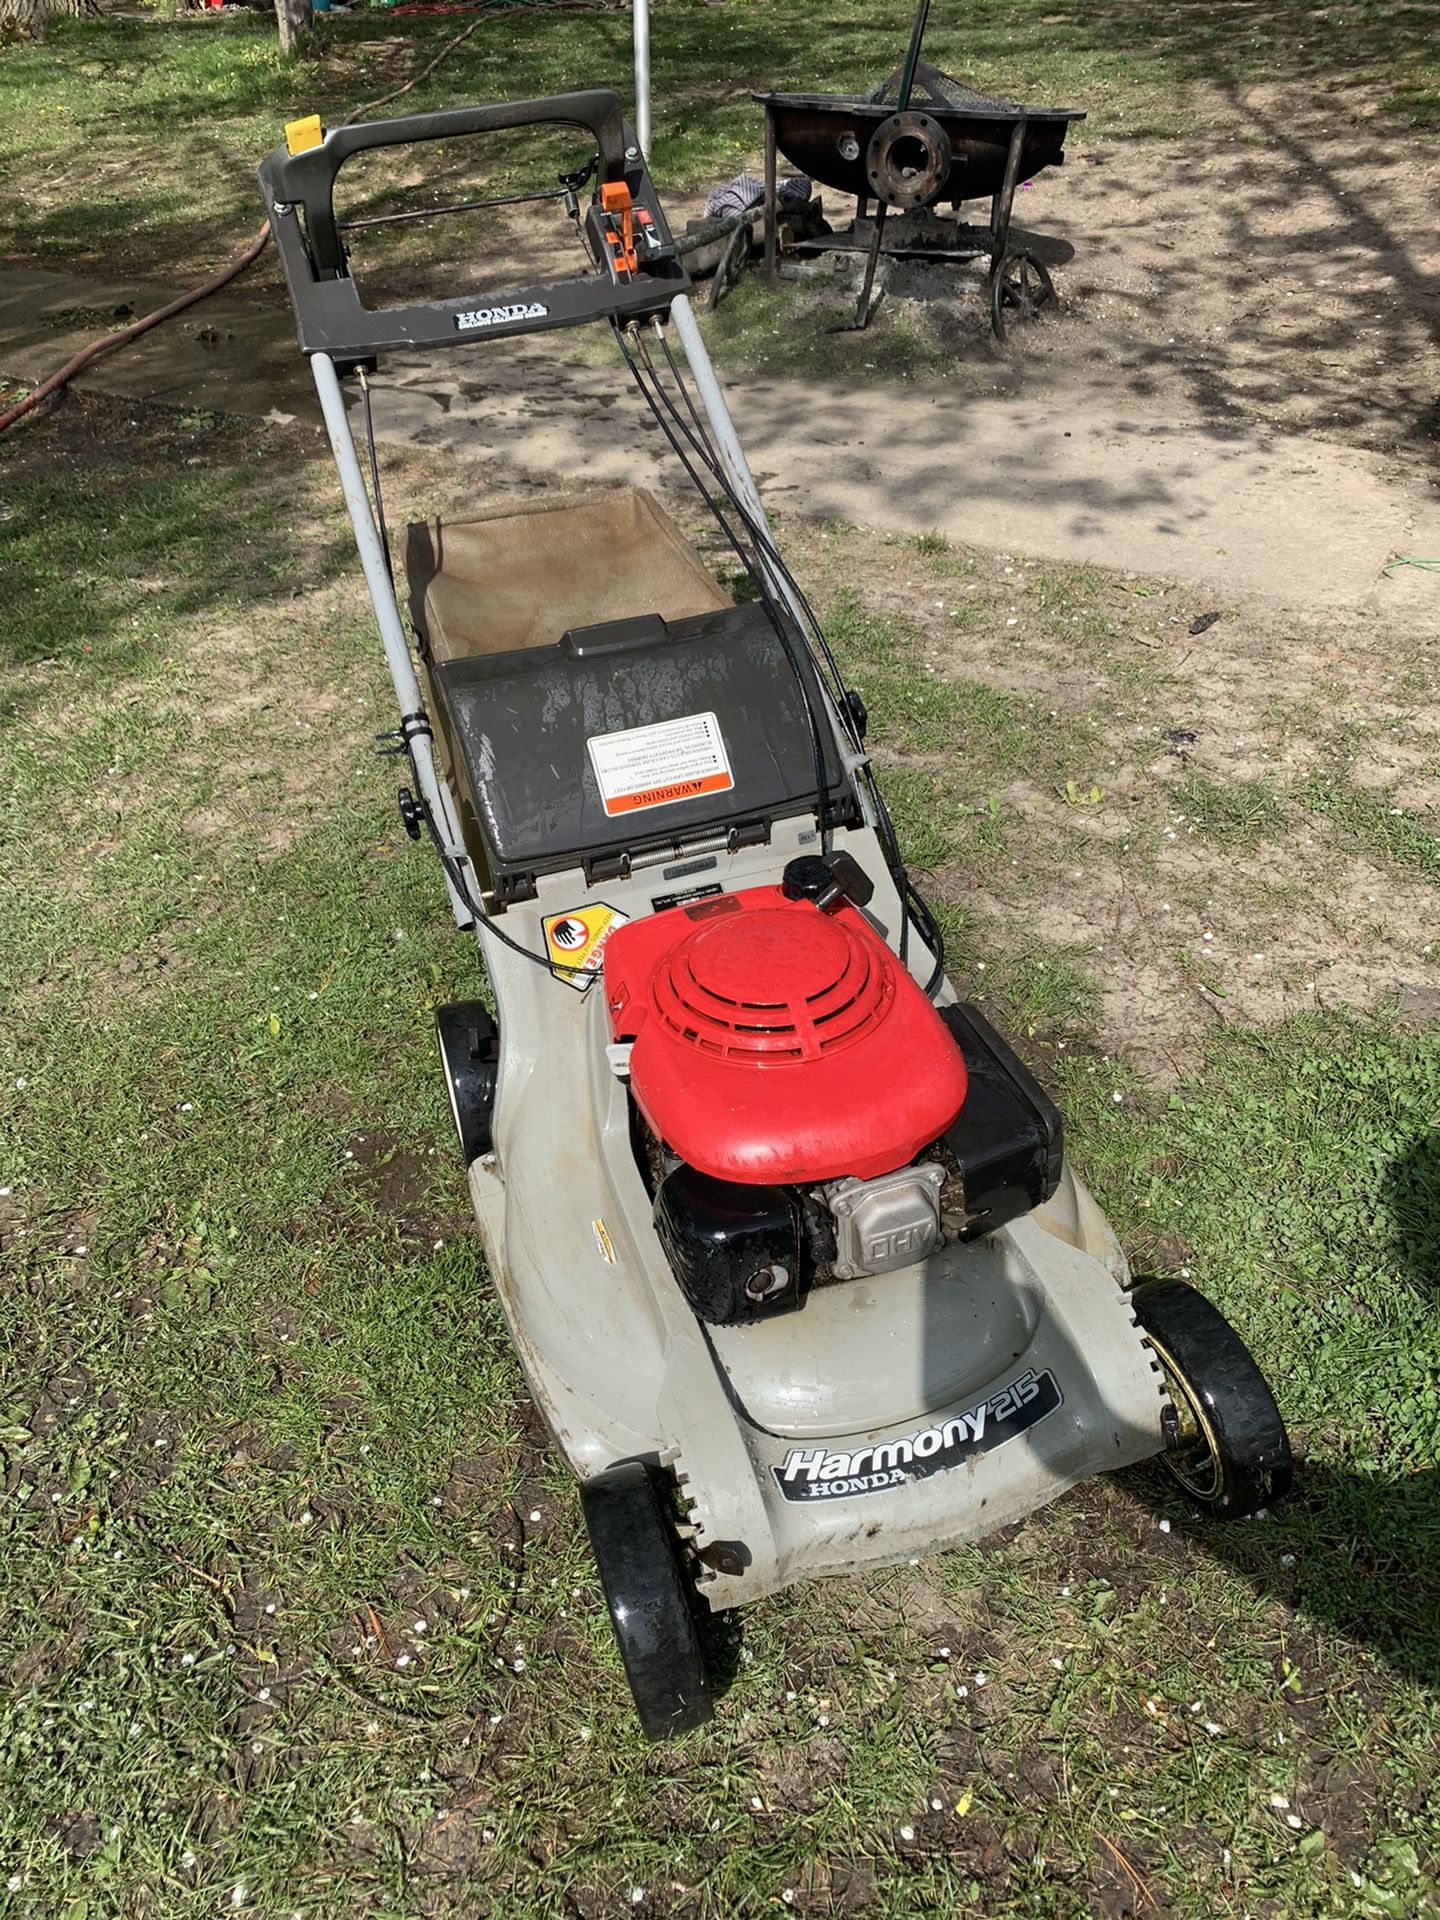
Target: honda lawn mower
(784,1232)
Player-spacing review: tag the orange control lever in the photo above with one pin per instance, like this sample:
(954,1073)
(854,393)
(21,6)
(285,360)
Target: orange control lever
(615,199)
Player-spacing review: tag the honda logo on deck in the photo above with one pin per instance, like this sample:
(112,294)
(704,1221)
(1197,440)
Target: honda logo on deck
(498,316)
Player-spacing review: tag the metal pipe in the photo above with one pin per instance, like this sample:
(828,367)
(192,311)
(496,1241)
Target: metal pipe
(770,191)
(862,307)
(732,454)
(912,57)
(642,72)
(387,617)
(457,206)
(737,471)
(1000,213)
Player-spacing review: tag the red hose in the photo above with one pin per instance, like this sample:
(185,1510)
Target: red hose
(108,342)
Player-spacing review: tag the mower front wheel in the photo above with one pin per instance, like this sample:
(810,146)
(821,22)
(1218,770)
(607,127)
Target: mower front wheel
(1228,1449)
(650,1598)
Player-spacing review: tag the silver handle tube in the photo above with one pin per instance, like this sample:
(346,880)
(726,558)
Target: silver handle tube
(732,454)
(387,617)
(737,471)
(641,30)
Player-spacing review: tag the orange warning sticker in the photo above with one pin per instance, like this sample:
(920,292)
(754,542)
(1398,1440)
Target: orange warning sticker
(575,941)
(661,765)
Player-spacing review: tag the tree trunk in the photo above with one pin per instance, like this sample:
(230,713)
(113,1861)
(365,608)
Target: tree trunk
(29,16)
(294,17)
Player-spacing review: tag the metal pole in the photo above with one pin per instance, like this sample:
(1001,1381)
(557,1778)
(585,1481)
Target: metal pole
(387,617)
(862,306)
(770,207)
(912,57)
(642,72)
(1000,215)
(732,454)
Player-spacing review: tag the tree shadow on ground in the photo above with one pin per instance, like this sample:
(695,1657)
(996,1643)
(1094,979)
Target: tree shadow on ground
(1363,1546)
(123,517)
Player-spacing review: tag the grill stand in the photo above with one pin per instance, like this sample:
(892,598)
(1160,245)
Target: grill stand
(1006,269)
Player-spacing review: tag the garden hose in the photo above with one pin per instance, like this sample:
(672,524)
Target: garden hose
(111,342)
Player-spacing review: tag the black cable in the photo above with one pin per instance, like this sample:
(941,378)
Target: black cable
(912,904)
(764,541)
(458,882)
(778,615)
(375,475)
(774,613)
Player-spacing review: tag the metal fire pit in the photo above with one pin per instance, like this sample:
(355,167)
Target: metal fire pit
(923,140)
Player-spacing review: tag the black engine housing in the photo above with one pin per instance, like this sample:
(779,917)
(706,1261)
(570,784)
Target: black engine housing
(736,1250)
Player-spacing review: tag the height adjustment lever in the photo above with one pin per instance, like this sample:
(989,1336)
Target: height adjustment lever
(617,223)
(827,880)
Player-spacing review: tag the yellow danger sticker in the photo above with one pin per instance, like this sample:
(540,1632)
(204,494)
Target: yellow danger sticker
(575,941)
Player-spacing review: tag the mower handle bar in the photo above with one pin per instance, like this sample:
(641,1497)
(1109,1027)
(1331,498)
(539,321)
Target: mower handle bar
(308,178)
(330,316)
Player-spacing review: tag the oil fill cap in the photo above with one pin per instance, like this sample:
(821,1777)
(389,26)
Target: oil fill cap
(808,878)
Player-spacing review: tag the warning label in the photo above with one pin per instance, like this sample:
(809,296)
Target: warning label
(575,941)
(657,766)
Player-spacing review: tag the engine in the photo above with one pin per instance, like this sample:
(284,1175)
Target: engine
(804,1114)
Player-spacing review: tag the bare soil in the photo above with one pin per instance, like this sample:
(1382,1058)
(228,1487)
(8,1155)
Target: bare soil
(1183,926)
(1274,270)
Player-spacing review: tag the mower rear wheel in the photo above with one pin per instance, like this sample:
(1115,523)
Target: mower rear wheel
(650,1599)
(470,1055)
(1228,1450)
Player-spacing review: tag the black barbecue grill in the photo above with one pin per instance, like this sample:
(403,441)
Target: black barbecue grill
(923,140)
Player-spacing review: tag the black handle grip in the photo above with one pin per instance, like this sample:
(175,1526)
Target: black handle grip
(309,177)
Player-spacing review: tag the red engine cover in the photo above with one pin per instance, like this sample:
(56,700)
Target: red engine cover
(774,1043)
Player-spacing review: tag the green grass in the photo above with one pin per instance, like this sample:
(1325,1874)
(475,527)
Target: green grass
(254,1363)
(790,331)
(1236,813)
(136,141)
(1399,837)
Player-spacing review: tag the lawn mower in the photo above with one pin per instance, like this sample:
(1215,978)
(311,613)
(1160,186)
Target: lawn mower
(784,1233)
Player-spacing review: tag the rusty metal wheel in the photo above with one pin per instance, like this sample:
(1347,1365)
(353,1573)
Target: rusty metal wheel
(733,262)
(1019,287)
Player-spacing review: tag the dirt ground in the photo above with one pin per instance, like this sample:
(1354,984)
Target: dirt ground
(1271,272)
(1247,856)
(1273,268)
(1239,385)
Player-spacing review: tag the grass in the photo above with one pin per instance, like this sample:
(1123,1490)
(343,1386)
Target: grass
(135,141)
(1236,813)
(297,1611)
(1398,837)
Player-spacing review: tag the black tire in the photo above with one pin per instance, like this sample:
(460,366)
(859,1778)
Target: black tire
(470,1056)
(1228,1451)
(650,1599)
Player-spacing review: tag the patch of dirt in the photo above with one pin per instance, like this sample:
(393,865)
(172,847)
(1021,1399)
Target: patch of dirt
(1183,926)
(1275,267)
(402,1184)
